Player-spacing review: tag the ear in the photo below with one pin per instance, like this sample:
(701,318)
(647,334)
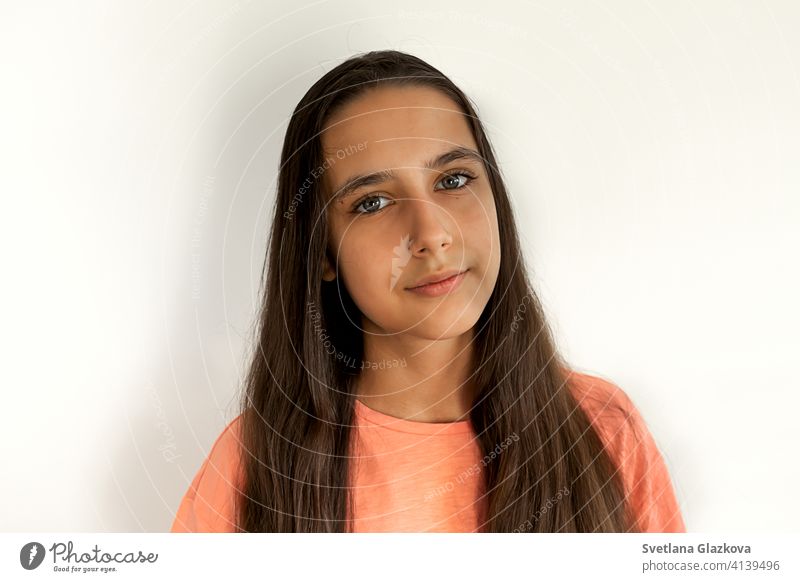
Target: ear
(328,270)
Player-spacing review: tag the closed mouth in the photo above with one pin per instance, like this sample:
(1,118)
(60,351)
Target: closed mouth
(439,278)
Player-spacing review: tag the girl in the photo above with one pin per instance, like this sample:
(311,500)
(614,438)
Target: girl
(405,378)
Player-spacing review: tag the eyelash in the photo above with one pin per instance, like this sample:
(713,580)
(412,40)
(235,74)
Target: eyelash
(467,174)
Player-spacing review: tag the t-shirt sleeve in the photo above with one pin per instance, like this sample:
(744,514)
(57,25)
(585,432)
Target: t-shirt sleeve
(208,504)
(644,473)
(647,479)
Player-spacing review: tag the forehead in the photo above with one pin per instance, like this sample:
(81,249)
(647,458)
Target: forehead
(392,128)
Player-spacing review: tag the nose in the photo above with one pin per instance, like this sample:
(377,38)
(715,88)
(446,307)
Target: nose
(430,233)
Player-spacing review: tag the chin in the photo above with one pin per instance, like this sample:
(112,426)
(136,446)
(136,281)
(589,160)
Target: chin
(442,323)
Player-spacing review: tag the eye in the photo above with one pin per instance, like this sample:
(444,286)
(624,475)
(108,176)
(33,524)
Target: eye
(365,202)
(457,179)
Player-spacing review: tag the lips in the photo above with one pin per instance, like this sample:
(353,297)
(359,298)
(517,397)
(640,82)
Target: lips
(437,277)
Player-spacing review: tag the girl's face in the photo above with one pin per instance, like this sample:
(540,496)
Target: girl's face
(421,207)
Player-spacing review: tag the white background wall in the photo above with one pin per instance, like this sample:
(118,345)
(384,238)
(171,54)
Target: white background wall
(651,149)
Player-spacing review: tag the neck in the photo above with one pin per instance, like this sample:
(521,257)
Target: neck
(418,379)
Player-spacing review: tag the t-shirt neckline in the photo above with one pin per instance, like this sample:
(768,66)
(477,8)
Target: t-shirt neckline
(396,424)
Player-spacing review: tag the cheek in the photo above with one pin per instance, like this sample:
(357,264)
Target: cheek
(475,213)
(478,226)
(365,265)
(367,249)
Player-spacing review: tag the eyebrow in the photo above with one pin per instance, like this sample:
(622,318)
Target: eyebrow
(358,181)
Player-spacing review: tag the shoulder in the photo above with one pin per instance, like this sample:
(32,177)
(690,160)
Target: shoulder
(609,408)
(625,435)
(208,504)
(612,413)
(224,457)
(229,440)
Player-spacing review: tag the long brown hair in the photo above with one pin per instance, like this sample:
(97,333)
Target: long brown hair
(296,429)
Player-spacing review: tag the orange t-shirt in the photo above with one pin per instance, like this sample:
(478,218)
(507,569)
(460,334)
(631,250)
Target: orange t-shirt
(415,476)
